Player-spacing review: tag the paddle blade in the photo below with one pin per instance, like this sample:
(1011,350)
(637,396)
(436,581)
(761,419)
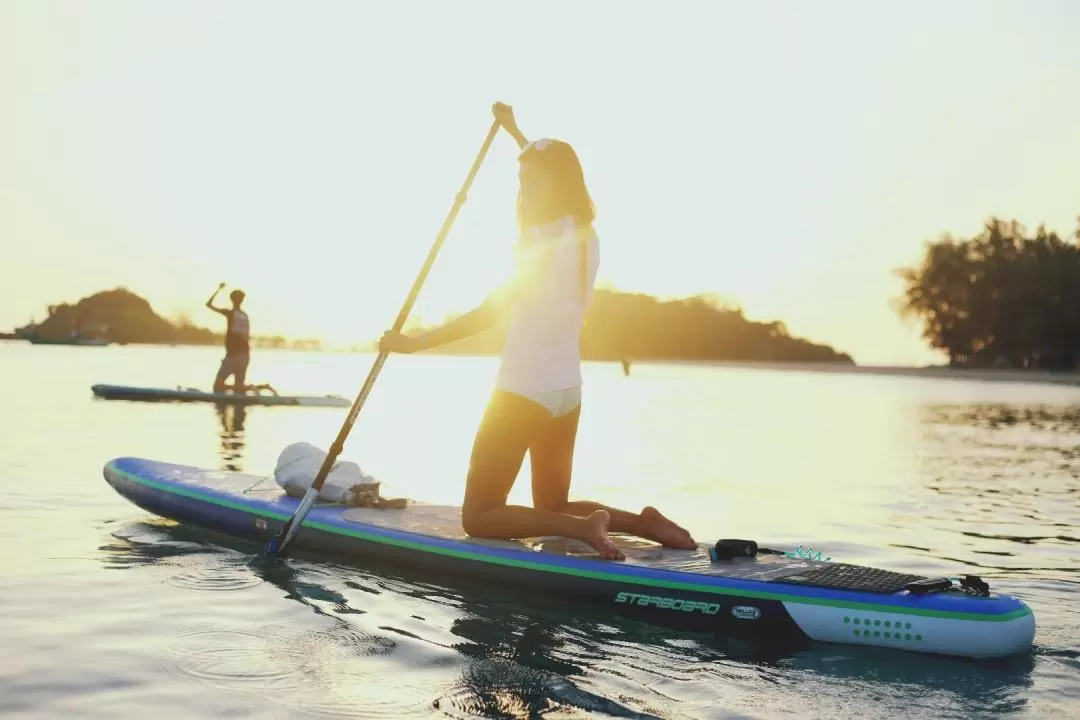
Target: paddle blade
(270,551)
(275,548)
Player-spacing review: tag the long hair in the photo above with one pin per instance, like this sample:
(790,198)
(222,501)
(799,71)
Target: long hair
(566,192)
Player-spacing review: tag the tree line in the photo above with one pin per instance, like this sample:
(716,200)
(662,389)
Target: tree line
(1003,298)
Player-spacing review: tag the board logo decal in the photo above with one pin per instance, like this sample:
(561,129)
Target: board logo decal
(667,603)
(745,612)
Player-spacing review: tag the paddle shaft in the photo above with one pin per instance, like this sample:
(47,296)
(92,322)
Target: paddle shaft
(339,443)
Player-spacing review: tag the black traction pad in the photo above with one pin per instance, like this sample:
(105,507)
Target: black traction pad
(840,576)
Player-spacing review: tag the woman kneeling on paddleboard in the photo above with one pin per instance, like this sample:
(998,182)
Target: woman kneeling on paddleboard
(537,399)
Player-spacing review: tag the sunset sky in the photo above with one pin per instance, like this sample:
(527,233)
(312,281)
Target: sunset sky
(788,155)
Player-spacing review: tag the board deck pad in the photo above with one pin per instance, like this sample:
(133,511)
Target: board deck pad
(444,521)
(841,576)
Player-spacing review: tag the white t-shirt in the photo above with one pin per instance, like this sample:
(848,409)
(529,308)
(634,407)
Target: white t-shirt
(543,344)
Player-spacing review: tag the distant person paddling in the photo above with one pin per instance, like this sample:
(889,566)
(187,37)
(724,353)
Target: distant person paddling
(237,347)
(537,399)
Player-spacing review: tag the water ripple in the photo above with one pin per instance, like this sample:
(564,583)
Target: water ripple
(324,671)
(217,577)
(236,660)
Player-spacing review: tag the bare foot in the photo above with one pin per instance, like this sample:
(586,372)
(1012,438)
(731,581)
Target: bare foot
(658,528)
(596,535)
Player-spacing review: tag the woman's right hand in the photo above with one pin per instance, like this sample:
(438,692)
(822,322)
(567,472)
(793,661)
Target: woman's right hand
(395,342)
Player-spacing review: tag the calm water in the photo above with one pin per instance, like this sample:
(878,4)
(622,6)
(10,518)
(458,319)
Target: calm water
(107,612)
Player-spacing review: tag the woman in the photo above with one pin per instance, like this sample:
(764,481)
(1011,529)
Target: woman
(537,398)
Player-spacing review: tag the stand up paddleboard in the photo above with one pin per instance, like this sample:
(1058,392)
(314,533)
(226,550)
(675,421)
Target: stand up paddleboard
(768,597)
(141,394)
(81,341)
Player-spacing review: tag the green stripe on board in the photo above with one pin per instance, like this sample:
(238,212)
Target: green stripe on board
(194,492)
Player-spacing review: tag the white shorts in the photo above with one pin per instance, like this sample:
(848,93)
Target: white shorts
(557,402)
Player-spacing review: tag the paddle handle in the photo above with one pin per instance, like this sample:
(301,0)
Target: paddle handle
(339,443)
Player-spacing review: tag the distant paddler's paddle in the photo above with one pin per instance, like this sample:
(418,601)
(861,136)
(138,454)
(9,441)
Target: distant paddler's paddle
(275,548)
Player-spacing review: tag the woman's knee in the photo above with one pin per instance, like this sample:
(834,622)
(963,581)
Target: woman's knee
(470,523)
(472,517)
(483,492)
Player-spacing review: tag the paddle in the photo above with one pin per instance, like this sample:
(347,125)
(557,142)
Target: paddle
(277,544)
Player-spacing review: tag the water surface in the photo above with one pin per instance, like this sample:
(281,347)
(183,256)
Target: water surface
(108,612)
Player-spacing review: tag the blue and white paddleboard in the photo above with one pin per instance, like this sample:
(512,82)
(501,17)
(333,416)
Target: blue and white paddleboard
(768,597)
(143,394)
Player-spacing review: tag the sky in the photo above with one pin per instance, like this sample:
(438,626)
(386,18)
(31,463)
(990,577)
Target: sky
(786,155)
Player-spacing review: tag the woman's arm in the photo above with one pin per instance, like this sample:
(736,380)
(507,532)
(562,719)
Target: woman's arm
(505,115)
(471,323)
(477,320)
(497,306)
(519,137)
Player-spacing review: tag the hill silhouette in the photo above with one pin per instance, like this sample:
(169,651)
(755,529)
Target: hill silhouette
(624,325)
(122,317)
(617,325)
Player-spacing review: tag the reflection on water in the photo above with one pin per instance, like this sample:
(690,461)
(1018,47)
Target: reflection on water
(1009,477)
(232,435)
(1052,418)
